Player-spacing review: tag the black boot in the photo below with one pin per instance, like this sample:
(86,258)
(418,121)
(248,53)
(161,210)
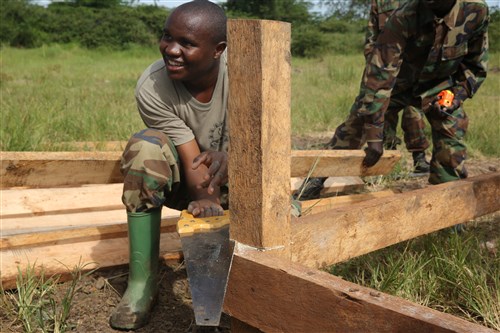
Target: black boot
(420,164)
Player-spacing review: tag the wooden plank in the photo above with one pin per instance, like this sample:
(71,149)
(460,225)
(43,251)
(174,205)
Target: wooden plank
(336,235)
(41,201)
(32,224)
(274,295)
(259,112)
(323,204)
(52,169)
(332,185)
(56,259)
(55,169)
(91,146)
(74,235)
(339,163)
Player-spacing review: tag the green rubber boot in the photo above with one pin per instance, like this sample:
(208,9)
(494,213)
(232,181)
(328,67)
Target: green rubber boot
(144,246)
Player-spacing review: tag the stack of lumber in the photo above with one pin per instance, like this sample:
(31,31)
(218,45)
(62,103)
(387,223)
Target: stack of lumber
(58,229)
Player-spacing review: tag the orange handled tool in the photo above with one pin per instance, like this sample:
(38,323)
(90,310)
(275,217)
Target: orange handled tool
(445,98)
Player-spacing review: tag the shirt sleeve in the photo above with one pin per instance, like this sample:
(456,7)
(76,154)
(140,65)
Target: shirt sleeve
(383,67)
(159,115)
(372,29)
(474,66)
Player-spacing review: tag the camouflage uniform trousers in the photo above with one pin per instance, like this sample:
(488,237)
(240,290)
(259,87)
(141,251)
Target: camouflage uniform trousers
(412,123)
(153,175)
(350,134)
(449,150)
(151,169)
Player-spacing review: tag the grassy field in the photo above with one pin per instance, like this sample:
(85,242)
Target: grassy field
(65,93)
(60,94)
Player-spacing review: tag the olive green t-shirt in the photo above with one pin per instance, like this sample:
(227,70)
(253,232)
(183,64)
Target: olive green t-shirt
(166,105)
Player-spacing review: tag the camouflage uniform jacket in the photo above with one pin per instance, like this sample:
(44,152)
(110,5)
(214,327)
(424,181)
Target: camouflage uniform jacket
(380,10)
(427,54)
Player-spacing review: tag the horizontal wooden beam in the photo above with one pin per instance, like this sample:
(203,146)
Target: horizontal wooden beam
(275,295)
(74,235)
(323,204)
(50,201)
(94,249)
(53,169)
(332,185)
(339,234)
(340,163)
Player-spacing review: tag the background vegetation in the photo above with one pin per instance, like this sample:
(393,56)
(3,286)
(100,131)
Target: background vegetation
(68,71)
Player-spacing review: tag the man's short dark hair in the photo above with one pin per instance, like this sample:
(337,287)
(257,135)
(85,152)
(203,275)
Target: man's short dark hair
(214,14)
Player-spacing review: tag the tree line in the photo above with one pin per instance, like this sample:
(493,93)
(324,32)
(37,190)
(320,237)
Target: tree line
(117,24)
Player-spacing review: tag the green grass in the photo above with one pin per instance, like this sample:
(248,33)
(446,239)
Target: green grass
(37,304)
(323,92)
(65,93)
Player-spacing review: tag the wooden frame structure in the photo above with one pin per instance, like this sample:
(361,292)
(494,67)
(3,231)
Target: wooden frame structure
(275,284)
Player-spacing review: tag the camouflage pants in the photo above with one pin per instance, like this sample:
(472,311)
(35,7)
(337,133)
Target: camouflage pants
(412,123)
(449,150)
(350,134)
(151,170)
(153,174)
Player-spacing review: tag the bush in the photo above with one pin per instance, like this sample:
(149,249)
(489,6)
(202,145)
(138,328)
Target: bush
(334,25)
(19,24)
(494,31)
(116,28)
(307,41)
(25,25)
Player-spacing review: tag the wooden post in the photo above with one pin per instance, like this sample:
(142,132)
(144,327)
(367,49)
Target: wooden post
(259,122)
(260,144)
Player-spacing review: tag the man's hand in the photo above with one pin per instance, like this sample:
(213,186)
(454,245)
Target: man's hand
(216,161)
(444,111)
(373,153)
(205,208)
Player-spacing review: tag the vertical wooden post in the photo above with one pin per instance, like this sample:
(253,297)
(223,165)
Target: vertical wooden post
(259,125)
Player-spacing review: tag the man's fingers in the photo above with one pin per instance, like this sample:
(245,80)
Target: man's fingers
(193,209)
(214,167)
(203,158)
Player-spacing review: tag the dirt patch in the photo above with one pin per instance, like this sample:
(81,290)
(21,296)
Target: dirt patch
(99,293)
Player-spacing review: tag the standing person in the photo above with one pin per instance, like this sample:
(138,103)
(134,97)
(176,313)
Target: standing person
(412,121)
(180,160)
(350,135)
(427,46)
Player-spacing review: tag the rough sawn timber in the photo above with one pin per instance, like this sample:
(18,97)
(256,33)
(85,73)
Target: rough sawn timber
(339,234)
(56,169)
(275,295)
(259,200)
(339,163)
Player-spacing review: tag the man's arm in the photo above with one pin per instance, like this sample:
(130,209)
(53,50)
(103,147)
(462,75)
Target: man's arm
(474,66)
(204,204)
(372,29)
(381,72)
